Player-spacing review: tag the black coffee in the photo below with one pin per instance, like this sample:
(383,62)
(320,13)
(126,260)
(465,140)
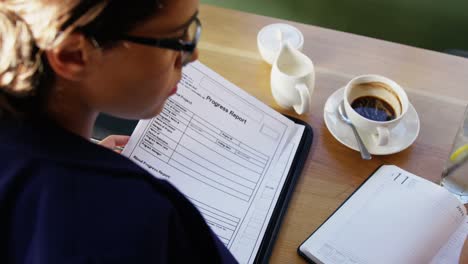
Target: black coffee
(373,108)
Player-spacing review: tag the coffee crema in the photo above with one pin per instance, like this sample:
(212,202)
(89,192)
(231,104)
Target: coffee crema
(373,108)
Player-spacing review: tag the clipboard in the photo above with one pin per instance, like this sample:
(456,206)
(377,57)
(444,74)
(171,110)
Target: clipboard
(269,238)
(271,233)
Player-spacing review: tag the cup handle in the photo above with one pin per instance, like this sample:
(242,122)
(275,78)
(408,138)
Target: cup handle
(381,138)
(304,104)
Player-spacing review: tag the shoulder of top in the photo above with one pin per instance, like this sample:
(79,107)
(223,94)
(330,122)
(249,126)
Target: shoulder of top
(101,166)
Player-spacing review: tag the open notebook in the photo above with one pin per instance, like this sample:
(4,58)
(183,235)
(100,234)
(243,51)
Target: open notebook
(394,217)
(234,157)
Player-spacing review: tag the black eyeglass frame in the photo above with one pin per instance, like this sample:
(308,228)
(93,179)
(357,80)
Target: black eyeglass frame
(176,44)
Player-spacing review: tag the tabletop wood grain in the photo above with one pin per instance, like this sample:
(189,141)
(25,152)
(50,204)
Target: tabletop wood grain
(436,84)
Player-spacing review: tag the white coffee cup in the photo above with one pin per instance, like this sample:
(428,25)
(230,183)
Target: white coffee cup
(369,87)
(292,79)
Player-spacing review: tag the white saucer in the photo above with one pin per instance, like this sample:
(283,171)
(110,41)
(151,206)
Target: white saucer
(401,136)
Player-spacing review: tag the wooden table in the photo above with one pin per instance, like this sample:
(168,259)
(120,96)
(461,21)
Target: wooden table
(437,86)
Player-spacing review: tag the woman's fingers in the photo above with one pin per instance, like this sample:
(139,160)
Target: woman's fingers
(115,142)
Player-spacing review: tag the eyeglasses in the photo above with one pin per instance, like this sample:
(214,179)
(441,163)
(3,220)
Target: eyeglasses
(186,44)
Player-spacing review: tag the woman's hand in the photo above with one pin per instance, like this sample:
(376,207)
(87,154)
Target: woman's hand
(115,142)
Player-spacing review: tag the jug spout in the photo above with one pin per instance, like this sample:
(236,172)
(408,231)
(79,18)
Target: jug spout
(270,37)
(292,62)
(285,51)
(279,35)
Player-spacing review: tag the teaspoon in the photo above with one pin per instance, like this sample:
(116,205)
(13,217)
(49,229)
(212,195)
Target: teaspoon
(342,113)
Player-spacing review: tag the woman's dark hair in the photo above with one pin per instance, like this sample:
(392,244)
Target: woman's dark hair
(25,75)
(117,18)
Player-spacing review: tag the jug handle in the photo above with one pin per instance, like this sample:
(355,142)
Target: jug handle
(304,105)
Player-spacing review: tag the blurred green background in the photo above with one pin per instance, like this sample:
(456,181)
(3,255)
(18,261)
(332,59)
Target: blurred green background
(430,24)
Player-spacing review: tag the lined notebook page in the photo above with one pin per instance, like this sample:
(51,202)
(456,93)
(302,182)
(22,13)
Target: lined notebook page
(395,217)
(450,252)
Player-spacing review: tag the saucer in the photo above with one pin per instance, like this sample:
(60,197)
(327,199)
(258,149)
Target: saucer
(401,136)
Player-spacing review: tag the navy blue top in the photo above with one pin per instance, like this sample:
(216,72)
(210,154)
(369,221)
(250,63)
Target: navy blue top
(66,200)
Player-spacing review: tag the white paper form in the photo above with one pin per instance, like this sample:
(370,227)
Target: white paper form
(225,150)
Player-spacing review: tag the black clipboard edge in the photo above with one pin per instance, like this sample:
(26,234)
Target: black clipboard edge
(271,233)
(339,207)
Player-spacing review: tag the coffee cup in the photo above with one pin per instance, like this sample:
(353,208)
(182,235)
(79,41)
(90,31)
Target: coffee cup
(292,79)
(375,104)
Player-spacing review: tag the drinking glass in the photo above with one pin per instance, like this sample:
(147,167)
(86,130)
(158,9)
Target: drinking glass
(455,174)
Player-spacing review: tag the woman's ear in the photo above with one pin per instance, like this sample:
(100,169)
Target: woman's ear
(73,57)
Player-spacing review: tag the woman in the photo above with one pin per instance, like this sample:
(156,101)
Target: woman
(64,199)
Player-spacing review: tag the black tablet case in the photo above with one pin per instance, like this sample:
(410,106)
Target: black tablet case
(297,165)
